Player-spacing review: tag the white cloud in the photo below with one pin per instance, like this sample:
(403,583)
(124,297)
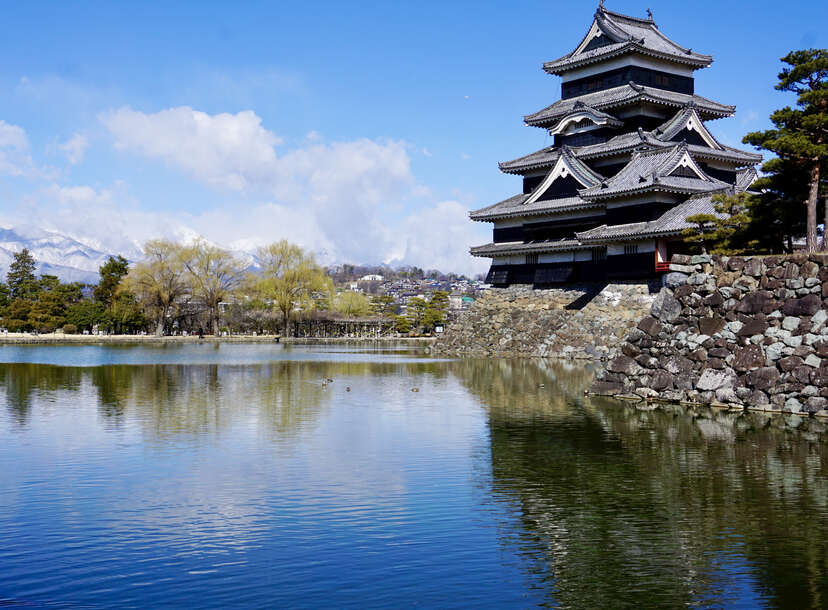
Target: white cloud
(439,237)
(75,148)
(354,201)
(15,157)
(228,150)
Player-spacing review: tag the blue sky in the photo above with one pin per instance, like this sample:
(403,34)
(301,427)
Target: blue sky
(364,131)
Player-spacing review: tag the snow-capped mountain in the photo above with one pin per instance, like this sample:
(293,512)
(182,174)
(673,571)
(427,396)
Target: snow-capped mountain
(76,259)
(56,254)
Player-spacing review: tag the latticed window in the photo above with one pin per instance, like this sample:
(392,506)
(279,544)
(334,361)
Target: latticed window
(631,249)
(599,254)
(531,259)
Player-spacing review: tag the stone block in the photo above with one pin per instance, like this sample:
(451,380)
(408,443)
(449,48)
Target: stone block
(715,363)
(792,405)
(686,269)
(711,325)
(754,267)
(674,280)
(801,374)
(631,350)
(666,307)
(748,358)
(763,378)
(790,323)
(813,361)
(662,380)
(624,364)
(650,325)
(806,306)
(791,341)
(758,399)
(711,380)
(818,320)
(754,302)
(789,363)
(816,404)
(756,326)
(727,396)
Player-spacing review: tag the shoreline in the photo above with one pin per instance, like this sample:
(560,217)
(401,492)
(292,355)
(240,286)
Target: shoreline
(61,339)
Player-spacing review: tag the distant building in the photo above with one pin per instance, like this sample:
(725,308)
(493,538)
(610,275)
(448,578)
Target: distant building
(632,158)
(371,278)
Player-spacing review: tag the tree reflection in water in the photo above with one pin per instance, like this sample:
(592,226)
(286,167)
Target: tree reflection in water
(623,506)
(607,505)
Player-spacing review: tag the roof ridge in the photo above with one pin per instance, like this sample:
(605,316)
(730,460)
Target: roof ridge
(641,20)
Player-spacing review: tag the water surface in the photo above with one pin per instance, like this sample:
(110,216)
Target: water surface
(235,475)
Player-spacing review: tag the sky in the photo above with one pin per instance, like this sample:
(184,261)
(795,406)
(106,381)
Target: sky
(365,132)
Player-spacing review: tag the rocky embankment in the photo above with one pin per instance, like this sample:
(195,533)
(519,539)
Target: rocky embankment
(587,321)
(739,332)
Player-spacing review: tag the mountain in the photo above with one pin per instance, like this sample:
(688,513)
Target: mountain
(56,254)
(71,259)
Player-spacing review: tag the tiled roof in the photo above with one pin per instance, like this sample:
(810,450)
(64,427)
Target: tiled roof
(746,178)
(581,111)
(545,157)
(650,170)
(582,172)
(515,206)
(672,222)
(626,35)
(670,129)
(630,141)
(625,95)
(534,247)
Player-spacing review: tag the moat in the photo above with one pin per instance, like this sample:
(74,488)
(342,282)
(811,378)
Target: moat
(238,475)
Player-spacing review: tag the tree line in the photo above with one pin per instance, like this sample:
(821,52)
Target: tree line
(198,287)
(783,203)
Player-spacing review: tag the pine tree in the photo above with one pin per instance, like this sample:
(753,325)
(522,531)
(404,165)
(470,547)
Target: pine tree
(21,278)
(111,272)
(801,135)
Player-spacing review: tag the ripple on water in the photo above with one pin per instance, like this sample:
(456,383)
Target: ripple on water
(233,477)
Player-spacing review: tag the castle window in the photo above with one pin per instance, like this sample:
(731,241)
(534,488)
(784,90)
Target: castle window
(531,259)
(631,249)
(599,254)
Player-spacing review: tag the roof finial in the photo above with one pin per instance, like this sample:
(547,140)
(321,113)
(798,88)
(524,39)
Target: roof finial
(601,4)
(650,14)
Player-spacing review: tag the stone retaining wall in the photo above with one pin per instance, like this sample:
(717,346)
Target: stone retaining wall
(738,332)
(581,321)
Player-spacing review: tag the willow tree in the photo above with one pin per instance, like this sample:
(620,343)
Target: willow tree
(290,278)
(352,303)
(159,281)
(801,135)
(212,273)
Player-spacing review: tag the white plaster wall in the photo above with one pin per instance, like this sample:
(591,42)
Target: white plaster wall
(629,60)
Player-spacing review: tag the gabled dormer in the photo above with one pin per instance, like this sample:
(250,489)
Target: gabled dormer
(685,167)
(670,170)
(565,179)
(687,126)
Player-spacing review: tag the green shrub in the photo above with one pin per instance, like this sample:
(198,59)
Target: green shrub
(70,329)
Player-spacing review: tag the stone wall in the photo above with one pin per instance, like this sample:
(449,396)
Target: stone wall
(739,332)
(580,321)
